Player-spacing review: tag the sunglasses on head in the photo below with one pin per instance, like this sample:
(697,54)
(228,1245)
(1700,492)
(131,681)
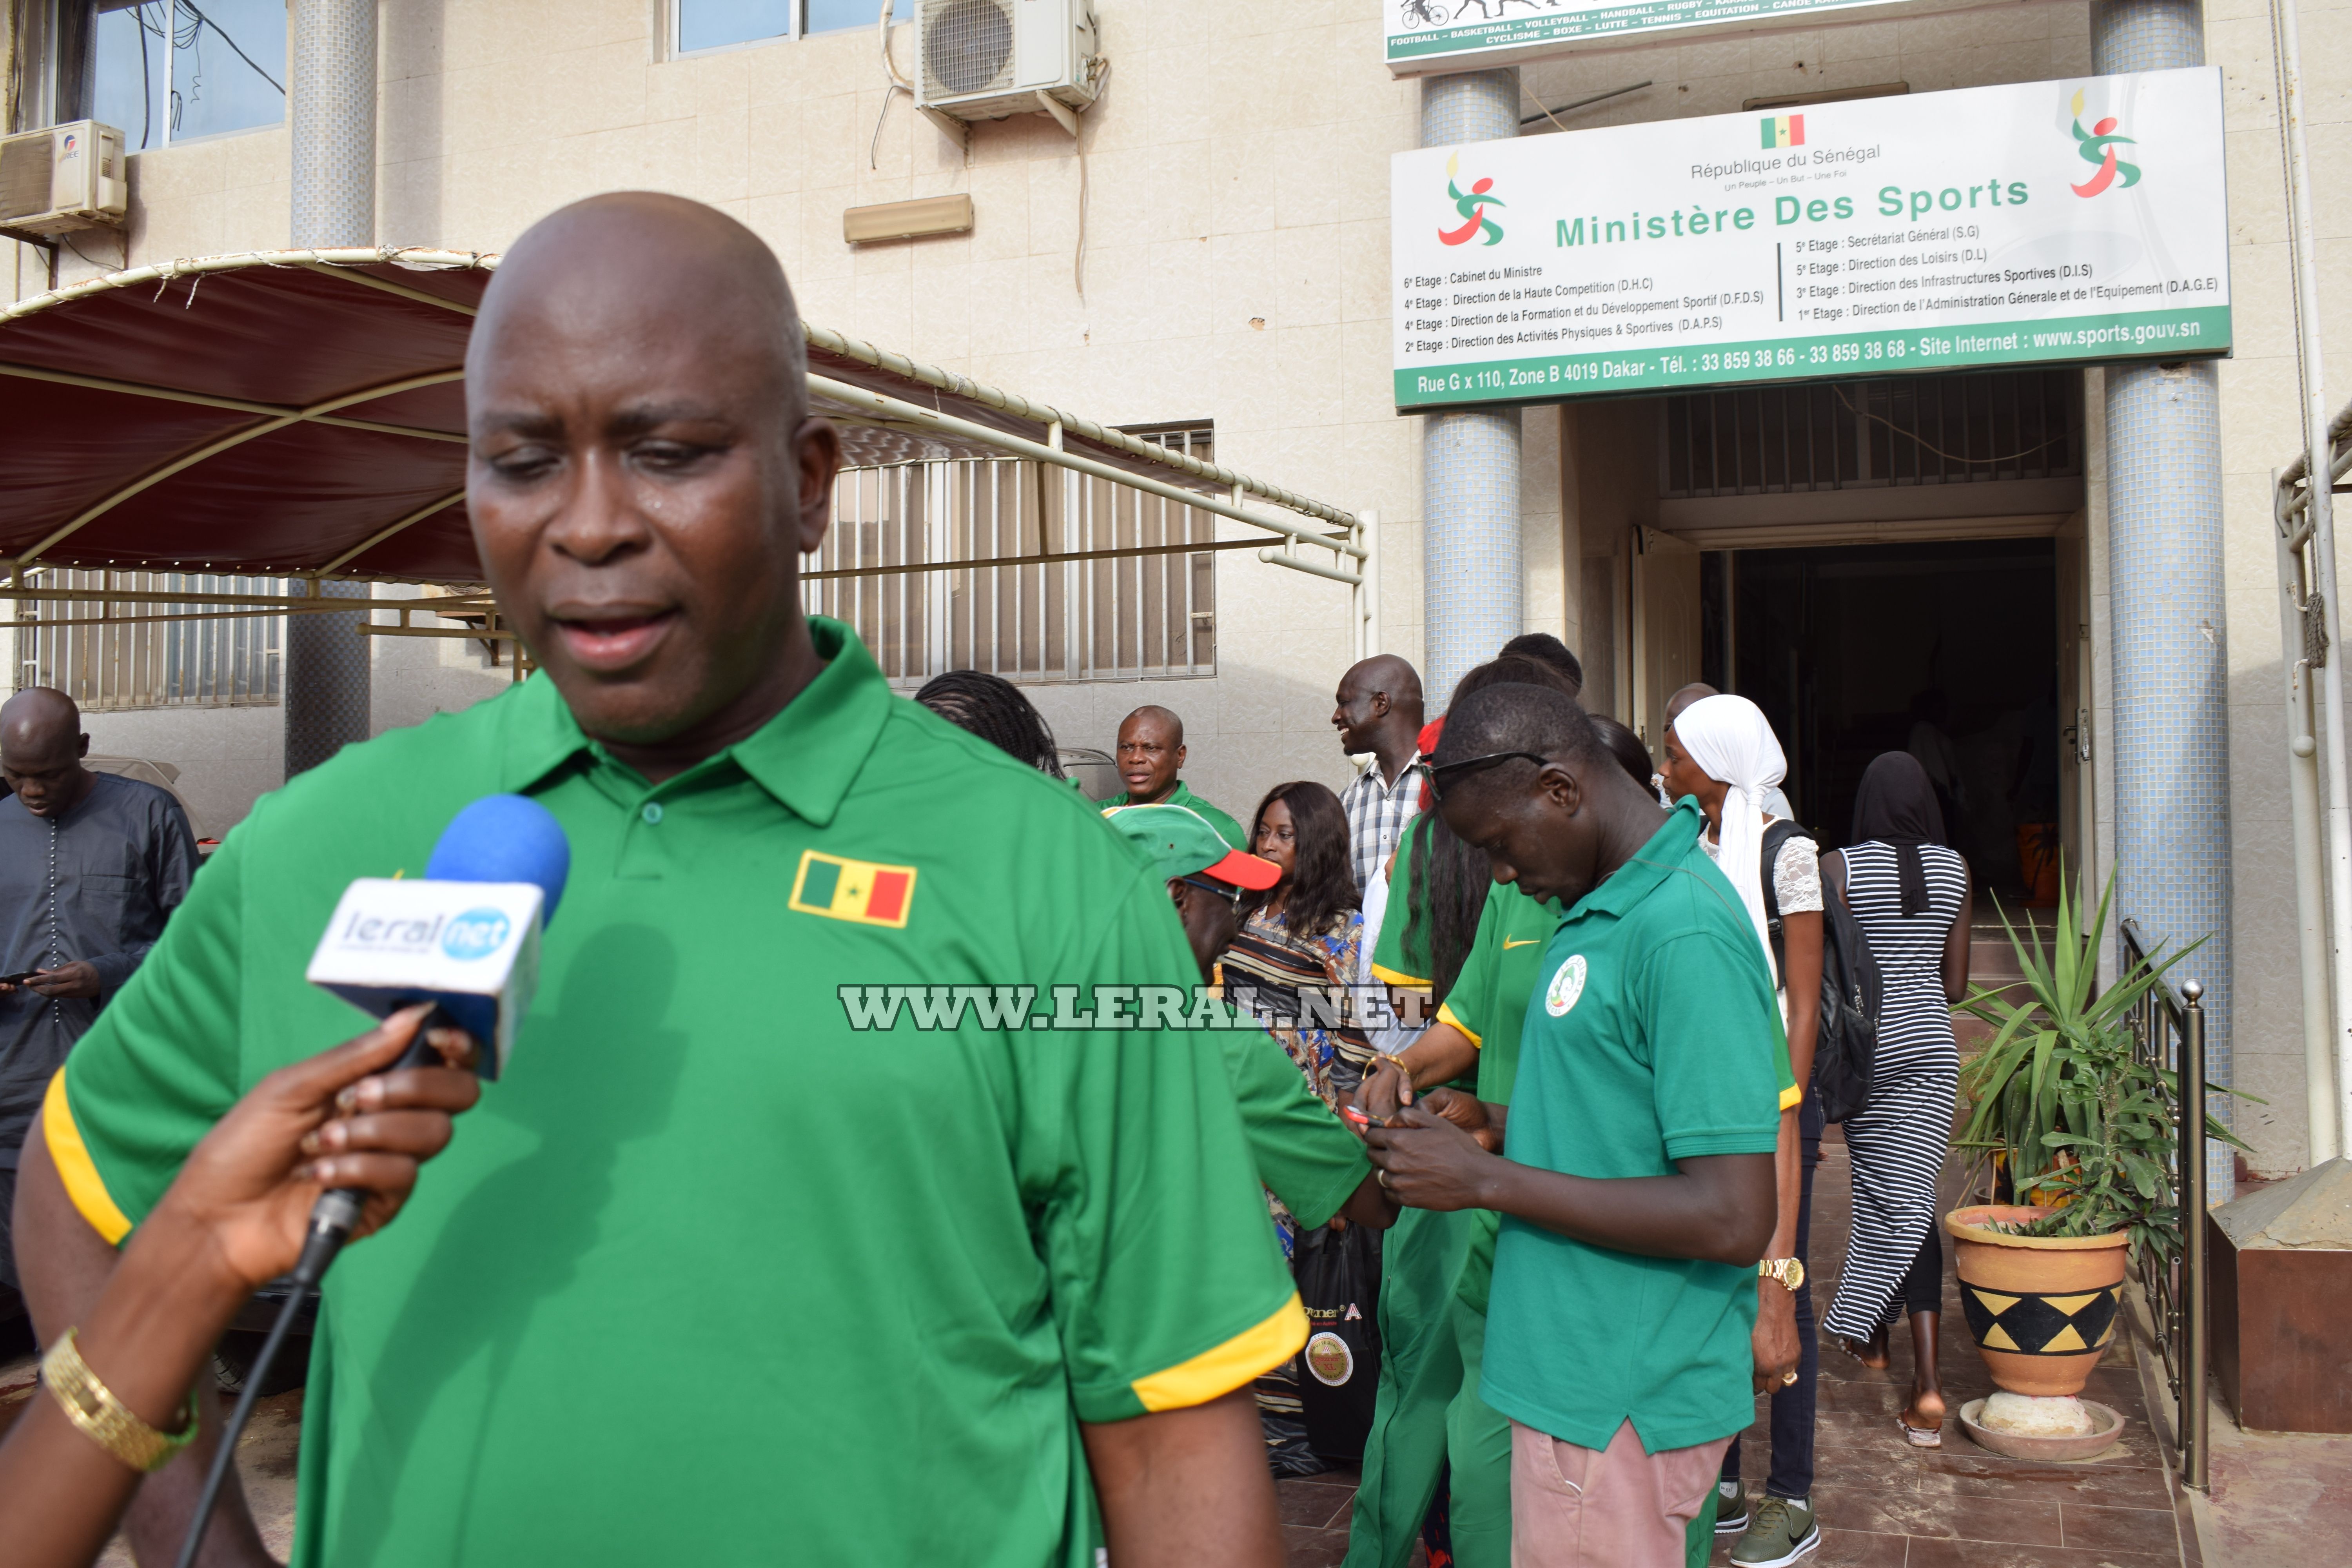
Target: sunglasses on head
(1444,776)
(1230,894)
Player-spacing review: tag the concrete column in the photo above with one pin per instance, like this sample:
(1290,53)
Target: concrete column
(1472,583)
(2171,719)
(331,49)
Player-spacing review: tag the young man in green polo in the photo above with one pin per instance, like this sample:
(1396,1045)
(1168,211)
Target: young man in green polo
(1638,1193)
(981,1292)
(1151,753)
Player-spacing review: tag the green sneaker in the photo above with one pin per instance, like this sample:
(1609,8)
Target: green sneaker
(1781,1532)
(1730,1508)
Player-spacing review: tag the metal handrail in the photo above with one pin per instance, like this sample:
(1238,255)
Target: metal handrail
(2167,1026)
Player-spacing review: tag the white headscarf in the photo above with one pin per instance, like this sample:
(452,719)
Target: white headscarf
(1732,742)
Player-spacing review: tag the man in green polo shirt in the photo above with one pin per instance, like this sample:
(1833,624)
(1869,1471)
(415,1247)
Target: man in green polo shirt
(1151,754)
(982,1291)
(1638,1193)
(1431,1417)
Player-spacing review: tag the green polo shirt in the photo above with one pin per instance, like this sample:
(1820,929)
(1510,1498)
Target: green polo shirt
(869,1282)
(1395,958)
(1488,1004)
(1305,1156)
(1653,1042)
(1234,834)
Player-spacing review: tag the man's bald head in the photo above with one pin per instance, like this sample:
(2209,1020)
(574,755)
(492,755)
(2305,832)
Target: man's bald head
(1378,710)
(634,263)
(41,748)
(1150,753)
(644,476)
(1683,698)
(1151,716)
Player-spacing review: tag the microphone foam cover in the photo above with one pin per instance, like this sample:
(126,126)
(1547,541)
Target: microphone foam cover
(505,838)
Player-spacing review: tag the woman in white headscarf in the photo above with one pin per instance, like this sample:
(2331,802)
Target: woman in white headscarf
(1721,751)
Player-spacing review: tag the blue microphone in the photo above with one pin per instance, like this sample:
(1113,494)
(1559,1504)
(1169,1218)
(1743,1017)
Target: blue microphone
(464,936)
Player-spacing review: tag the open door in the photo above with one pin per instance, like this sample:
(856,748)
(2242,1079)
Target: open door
(1665,629)
(2075,793)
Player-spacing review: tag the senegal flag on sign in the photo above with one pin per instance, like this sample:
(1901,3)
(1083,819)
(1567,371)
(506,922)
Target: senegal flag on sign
(857,890)
(1784,130)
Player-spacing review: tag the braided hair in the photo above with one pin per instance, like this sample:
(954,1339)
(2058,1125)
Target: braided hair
(992,708)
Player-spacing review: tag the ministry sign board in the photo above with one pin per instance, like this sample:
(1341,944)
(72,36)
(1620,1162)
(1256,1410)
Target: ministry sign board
(2044,222)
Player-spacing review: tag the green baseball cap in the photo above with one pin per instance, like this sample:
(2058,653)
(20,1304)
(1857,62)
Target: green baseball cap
(1182,844)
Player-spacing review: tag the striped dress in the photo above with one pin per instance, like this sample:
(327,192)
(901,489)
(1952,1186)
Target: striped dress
(1899,1142)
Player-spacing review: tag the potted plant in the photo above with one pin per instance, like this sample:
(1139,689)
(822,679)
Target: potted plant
(2075,1126)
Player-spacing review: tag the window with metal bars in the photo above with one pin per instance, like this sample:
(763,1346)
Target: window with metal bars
(235,661)
(1851,435)
(1095,580)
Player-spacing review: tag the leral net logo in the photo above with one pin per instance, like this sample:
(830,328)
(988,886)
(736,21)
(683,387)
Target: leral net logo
(1472,206)
(2097,146)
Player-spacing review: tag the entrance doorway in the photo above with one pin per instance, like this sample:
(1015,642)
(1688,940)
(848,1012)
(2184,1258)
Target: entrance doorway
(1950,651)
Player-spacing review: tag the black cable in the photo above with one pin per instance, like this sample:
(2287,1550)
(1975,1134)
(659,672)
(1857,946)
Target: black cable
(204,21)
(330,1223)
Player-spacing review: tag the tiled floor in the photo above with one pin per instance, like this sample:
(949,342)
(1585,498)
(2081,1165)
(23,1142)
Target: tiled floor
(1885,1505)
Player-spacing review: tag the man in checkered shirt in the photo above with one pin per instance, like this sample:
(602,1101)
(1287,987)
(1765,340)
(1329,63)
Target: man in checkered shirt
(1378,712)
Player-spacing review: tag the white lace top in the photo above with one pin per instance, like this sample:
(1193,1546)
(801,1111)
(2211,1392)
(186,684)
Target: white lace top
(1796,873)
(1796,879)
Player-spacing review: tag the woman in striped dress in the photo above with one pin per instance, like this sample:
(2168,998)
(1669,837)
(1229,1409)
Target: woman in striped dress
(1913,898)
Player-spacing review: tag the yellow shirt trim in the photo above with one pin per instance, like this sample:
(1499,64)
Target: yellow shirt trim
(1446,1015)
(74,1167)
(1220,1370)
(1398,977)
(1792,1096)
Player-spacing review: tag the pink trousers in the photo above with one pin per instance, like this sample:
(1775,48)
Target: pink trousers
(1605,1508)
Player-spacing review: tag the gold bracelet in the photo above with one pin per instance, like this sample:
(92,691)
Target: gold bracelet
(106,1420)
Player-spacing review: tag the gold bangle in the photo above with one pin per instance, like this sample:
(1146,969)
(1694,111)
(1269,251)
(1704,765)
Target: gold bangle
(106,1420)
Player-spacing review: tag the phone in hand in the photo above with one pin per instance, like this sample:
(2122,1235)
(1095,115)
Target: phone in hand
(20,979)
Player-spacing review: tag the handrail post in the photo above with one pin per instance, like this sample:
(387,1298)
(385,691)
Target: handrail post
(2192,1235)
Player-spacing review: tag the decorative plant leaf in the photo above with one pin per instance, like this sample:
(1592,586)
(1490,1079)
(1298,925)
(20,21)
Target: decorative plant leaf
(2059,1100)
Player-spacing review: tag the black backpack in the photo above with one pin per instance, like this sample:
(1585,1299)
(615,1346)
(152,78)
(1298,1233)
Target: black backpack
(1847,1039)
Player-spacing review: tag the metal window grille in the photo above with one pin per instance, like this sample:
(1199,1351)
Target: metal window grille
(233,663)
(1111,612)
(1852,435)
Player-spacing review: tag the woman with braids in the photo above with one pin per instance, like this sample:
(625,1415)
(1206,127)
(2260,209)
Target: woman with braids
(992,708)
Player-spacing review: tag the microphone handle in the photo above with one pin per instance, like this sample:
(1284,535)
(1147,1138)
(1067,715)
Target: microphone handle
(337,1211)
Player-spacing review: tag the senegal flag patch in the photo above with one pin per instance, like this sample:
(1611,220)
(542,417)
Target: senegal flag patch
(858,890)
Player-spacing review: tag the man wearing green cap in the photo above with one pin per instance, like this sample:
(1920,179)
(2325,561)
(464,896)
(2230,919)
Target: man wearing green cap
(1305,1156)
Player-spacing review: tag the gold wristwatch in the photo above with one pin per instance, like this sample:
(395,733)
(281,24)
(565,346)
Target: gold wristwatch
(1786,1272)
(89,1405)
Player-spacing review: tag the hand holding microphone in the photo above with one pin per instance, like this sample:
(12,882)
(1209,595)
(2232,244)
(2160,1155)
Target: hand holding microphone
(346,1117)
(235,1217)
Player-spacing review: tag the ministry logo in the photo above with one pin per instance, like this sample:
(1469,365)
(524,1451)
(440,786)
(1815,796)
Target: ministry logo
(2097,147)
(1472,205)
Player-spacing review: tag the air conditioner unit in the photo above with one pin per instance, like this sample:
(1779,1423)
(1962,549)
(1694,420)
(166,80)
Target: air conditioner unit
(63,178)
(986,59)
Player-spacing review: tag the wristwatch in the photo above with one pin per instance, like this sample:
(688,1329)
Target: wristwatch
(1786,1272)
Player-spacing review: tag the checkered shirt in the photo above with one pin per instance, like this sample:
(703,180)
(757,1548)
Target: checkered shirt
(1377,813)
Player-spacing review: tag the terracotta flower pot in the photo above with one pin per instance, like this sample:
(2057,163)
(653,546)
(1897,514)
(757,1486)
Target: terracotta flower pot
(2042,1309)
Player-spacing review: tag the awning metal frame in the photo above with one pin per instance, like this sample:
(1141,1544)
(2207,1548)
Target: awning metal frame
(1345,535)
